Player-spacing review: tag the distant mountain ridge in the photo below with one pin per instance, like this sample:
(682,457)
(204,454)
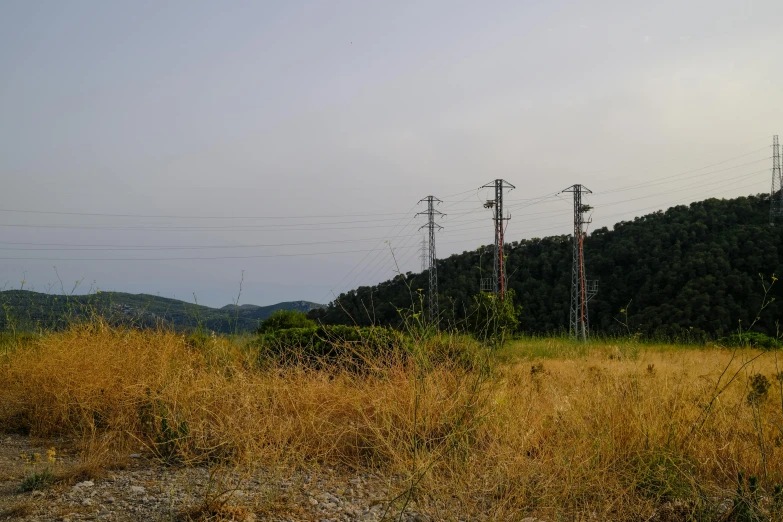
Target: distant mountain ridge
(29,310)
(262,312)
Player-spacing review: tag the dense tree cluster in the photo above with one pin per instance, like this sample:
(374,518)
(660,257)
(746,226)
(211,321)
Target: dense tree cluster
(691,272)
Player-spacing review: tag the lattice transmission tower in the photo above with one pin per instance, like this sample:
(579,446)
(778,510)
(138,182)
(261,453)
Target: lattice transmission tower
(497,284)
(432,227)
(776,194)
(582,290)
(423,254)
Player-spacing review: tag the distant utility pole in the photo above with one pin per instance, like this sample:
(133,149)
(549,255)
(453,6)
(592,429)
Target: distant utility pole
(498,283)
(581,289)
(431,213)
(776,194)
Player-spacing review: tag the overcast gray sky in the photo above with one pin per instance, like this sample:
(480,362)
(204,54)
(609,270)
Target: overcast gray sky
(319,125)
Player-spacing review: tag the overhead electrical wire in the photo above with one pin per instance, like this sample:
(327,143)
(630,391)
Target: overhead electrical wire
(377,261)
(719,191)
(173,216)
(385,263)
(536,200)
(331,290)
(458,194)
(184,258)
(98,247)
(696,185)
(659,181)
(180,230)
(371,264)
(391,260)
(681,157)
(447,206)
(389,263)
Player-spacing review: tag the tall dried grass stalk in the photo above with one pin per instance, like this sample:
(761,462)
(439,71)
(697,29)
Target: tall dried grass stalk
(580,436)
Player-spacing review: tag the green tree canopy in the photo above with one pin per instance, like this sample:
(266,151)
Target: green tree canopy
(690,272)
(285,319)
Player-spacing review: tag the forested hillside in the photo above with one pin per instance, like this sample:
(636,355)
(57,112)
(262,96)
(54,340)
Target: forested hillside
(692,271)
(26,310)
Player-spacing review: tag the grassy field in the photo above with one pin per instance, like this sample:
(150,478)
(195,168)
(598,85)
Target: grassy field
(547,428)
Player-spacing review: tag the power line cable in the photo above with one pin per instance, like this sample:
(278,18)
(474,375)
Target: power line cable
(378,260)
(674,203)
(173,216)
(181,258)
(696,185)
(331,291)
(98,247)
(181,230)
(679,175)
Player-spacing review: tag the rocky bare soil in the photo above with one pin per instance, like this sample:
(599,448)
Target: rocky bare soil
(140,488)
(143,489)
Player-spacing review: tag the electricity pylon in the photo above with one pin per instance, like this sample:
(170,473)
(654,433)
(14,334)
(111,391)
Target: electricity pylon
(423,254)
(498,284)
(776,194)
(582,290)
(431,213)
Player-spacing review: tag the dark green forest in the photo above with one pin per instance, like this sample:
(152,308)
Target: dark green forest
(690,273)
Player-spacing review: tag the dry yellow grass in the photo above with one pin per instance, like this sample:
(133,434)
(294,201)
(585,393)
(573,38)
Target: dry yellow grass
(604,432)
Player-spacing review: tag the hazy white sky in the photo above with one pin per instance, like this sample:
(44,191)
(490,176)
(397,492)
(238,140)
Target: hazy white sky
(327,121)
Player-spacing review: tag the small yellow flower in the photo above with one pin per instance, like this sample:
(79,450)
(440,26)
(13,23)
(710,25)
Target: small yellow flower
(622,310)
(51,455)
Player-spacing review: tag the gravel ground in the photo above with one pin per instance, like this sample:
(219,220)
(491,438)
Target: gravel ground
(146,490)
(141,489)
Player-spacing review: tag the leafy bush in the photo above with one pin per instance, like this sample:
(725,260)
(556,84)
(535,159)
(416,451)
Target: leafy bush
(284,320)
(493,319)
(346,345)
(662,475)
(749,340)
(37,481)
(14,340)
(198,339)
(746,502)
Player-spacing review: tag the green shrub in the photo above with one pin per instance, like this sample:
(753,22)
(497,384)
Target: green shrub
(37,481)
(284,320)
(491,319)
(749,340)
(450,350)
(746,501)
(198,339)
(14,340)
(662,475)
(345,345)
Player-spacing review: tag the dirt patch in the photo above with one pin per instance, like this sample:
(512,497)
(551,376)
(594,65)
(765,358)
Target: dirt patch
(147,490)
